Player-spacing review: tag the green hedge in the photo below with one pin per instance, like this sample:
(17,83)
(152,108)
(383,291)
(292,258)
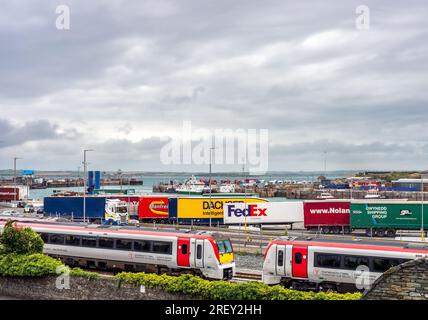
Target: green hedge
(223,290)
(35,265)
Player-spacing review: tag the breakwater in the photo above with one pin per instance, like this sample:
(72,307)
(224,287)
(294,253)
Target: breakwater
(310,193)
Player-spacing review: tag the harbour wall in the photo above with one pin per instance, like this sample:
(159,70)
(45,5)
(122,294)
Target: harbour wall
(305,193)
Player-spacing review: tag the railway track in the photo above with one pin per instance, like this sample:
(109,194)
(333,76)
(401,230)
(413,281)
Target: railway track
(247,275)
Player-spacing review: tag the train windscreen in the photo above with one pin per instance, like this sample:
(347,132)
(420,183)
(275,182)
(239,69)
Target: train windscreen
(224,246)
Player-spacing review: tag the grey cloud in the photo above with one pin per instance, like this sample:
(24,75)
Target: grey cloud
(13,135)
(300,69)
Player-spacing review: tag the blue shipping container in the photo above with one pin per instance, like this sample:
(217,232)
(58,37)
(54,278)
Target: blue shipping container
(73,207)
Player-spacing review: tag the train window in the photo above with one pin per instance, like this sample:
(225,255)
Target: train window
(280,258)
(56,239)
(107,243)
(45,237)
(142,246)
(89,242)
(199,251)
(122,244)
(352,262)
(383,264)
(72,240)
(221,247)
(228,246)
(224,246)
(162,247)
(298,258)
(325,260)
(184,249)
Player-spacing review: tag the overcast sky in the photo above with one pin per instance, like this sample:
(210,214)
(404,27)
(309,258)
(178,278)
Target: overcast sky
(128,73)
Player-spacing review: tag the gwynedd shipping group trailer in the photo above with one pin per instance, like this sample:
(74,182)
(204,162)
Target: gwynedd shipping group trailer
(381,218)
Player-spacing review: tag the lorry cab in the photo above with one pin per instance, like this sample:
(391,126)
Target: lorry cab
(116,211)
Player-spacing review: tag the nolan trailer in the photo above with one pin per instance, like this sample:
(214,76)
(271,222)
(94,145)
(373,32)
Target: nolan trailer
(327,216)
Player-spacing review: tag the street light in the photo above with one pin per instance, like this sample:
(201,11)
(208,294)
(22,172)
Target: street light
(84,181)
(211,148)
(14,176)
(422,206)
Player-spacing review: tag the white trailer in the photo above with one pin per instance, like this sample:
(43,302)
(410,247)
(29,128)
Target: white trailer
(287,212)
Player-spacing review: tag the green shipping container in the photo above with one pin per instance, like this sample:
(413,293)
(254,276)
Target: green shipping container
(400,215)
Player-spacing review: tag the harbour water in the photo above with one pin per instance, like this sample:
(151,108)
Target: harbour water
(153,179)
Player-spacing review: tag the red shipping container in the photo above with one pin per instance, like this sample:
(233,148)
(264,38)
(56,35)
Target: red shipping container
(8,194)
(326,213)
(153,207)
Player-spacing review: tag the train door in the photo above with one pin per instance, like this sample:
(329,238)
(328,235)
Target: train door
(280,260)
(300,262)
(199,253)
(183,252)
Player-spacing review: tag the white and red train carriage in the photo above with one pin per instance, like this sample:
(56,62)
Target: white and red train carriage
(338,264)
(208,254)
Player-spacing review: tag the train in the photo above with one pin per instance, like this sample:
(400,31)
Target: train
(381,218)
(344,265)
(207,254)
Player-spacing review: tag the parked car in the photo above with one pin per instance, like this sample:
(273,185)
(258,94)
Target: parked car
(29,208)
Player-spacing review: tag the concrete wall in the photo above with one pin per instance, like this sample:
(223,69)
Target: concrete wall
(104,288)
(408,281)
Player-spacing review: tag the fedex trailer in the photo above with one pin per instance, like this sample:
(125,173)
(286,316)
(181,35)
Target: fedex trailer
(261,213)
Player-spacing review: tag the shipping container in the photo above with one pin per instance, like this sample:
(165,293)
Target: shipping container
(9,193)
(153,208)
(72,207)
(382,218)
(198,210)
(327,216)
(263,213)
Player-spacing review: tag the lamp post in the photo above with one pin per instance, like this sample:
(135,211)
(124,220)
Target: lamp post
(14,176)
(84,181)
(211,148)
(422,207)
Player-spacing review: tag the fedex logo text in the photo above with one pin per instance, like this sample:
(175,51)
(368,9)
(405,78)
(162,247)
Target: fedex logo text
(252,210)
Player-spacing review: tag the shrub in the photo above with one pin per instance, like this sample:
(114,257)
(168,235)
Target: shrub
(20,240)
(36,265)
(31,265)
(77,272)
(224,290)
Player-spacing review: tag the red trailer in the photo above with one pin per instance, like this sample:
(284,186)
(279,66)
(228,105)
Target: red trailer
(153,208)
(327,216)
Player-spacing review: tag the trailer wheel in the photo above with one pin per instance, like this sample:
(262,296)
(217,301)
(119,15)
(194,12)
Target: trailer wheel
(347,230)
(337,230)
(325,230)
(380,232)
(390,233)
(369,232)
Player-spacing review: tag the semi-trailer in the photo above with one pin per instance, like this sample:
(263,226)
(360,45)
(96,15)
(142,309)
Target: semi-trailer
(90,208)
(384,218)
(202,210)
(327,216)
